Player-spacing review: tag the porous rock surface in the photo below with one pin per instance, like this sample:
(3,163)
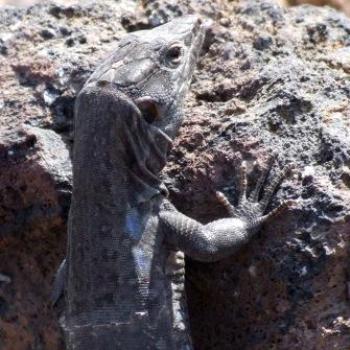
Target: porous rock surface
(341,5)
(272,81)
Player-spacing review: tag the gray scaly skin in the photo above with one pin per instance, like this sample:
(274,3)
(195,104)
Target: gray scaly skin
(124,271)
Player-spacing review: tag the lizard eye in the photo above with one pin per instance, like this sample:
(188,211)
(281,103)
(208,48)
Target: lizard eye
(173,55)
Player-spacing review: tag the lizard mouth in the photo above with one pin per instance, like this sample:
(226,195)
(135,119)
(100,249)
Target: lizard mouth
(149,108)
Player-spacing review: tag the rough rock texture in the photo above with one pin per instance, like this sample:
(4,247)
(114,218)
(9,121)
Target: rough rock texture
(273,80)
(342,5)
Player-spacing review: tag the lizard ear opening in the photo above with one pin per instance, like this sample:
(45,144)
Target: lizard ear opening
(149,108)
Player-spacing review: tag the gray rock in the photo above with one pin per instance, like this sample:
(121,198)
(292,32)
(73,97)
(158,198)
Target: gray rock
(35,182)
(272,81)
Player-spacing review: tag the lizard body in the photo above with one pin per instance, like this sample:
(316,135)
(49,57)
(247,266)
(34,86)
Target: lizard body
(124,270)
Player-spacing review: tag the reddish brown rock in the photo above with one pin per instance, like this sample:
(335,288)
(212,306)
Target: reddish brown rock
(273,80)
(35,181)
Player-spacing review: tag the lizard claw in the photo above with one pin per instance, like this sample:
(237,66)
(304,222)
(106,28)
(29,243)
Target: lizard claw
(283,207)
(271,189)
(255,194)
(243,183)
(252,209)
(225,202)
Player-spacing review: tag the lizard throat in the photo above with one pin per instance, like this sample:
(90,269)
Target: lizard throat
(146,156)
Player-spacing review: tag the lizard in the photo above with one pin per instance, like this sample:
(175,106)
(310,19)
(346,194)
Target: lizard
(123,276)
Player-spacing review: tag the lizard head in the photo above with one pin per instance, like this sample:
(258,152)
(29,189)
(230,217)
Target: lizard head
(153,68)
(133,103)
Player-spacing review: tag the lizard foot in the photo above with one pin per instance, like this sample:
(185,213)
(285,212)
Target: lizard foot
(252,208)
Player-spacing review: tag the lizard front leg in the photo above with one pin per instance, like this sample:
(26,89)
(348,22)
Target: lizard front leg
(252,209)
(222,238)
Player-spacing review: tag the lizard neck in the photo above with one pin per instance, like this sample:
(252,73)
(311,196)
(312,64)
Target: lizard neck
(120,154)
